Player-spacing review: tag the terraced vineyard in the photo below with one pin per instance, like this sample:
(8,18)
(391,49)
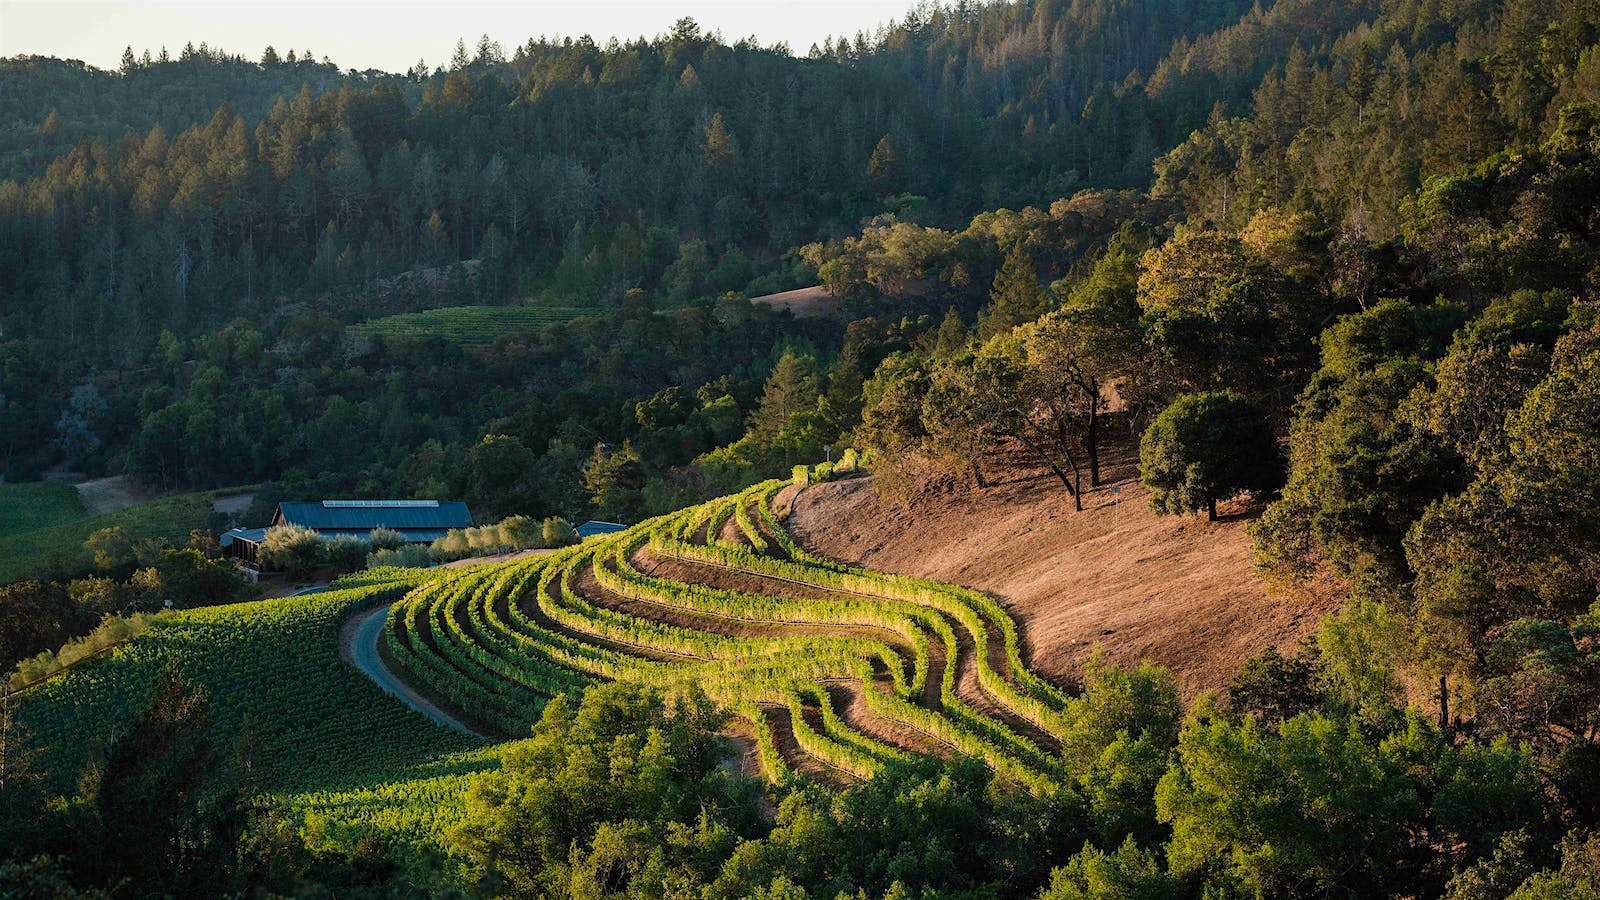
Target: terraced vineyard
(835,669)
(470,324)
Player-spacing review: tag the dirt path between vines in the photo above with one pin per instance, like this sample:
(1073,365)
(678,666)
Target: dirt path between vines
(358,644)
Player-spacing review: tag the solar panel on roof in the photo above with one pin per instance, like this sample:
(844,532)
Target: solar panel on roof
(381,504)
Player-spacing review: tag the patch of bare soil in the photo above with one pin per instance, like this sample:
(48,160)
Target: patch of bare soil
(104,495)
(805,303)
(784,500)
(783,740)
(730,531)
(232,504)
(851,705)
(1177,590)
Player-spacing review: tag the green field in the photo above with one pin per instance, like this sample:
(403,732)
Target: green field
(470,324)
(36,505)
(24,553)
(333,746)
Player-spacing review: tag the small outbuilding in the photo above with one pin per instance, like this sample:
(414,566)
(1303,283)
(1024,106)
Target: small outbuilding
(595,527)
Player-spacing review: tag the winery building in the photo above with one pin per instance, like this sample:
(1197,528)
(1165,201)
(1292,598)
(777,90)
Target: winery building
(418,521)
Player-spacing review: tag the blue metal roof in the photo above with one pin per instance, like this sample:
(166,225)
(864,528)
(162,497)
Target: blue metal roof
(594,527)
(414,535)
(364,515)
(250,535)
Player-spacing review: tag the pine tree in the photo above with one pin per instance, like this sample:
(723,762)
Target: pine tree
(1016,296)
(791,388)
(952,334)
(719,146)
(129,63)
(489,52)
(883,168)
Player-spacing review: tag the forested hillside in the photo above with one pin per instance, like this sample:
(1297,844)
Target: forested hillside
(188,192)
(1331,266)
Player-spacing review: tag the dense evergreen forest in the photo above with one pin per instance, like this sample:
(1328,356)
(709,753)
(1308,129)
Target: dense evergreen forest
(1341,255)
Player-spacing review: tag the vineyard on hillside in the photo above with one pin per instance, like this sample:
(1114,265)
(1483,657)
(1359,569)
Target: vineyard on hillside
(470,325)
(834,668)
(322,738)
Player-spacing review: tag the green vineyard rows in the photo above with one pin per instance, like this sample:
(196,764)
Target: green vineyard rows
(834,669)
(326,741)
(765,628)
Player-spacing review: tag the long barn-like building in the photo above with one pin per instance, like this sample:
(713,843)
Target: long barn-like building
(418,521)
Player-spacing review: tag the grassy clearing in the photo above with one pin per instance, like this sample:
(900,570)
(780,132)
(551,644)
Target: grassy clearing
(36,505)
(24,553)
(470,325)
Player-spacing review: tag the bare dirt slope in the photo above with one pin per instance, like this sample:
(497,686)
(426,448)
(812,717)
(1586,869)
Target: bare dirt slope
(105,495)
(1176,590)
(804,303)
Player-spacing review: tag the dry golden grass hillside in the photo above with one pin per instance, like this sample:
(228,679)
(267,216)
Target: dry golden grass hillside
(1177,590)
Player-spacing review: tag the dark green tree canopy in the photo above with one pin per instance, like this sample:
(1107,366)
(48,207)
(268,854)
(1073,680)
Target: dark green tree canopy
(1207,447)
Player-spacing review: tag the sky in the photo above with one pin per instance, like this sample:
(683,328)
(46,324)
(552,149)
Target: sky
(393,34)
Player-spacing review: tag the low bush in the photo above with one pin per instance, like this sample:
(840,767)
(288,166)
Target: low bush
(385,539)
(408,556)
(113,630)
(558,532)
(291,548)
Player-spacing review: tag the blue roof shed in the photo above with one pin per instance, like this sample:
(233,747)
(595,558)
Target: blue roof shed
(595,527)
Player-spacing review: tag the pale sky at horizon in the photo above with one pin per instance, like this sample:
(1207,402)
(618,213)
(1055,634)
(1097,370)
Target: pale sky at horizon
(392,34)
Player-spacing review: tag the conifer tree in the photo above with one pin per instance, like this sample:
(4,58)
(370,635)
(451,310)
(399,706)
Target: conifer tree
(791,388)
(883,168)
(1016,297)
(719,146)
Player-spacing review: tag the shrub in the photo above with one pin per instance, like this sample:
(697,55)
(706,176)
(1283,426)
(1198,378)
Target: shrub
(347,553)
(190,578)
(409,556)
(849,461)
(291,548)
(111,631)
(558,532)
(386,539)
(453,545)
(484,540)
(520,533)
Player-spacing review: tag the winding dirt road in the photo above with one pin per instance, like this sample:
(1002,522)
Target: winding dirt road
(358,644)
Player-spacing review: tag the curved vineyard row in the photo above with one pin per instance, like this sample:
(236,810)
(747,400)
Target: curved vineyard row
(835,668)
